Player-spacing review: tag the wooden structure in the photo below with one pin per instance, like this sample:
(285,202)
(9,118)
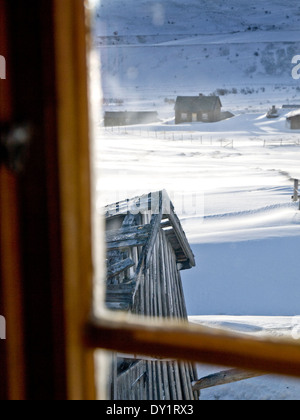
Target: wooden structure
(291,106)
(197,109)
(146,250)
(296,196)
(273,113)
(293,120)
(117,119)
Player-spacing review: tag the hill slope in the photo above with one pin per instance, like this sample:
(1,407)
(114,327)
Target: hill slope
(151,48)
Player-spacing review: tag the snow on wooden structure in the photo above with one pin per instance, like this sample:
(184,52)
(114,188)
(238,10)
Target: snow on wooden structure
(146,250)
(293,120)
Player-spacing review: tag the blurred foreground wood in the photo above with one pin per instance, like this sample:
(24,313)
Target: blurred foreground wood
(193,343)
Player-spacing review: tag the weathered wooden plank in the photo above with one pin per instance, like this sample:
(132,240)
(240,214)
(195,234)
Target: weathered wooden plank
(181,237)
(153,290)
(113,377)
(149,203)
(146,293)
(120,297)
(137,205)
(173,280)
(128,237)
(163,283)
(181,292)
(147,251)
(183,373)
(151,390)
(178,382)
(119,267)
(172,382)
(129,243)
(158,381)
(130,220)
(167,395)
(121,288)
(129,273)
(191,378)
(165,224)
(155,223)
(186,385)
(168,280)
(178,283)
(223,378)
(155,384)
(160,312)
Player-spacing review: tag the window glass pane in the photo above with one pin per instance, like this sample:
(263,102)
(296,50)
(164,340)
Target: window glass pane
(216,195)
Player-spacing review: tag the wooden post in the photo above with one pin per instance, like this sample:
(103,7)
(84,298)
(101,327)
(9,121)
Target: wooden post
(223,378)
(296,189)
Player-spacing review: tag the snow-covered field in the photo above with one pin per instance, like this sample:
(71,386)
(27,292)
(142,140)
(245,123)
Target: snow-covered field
(235,205)
(231,182)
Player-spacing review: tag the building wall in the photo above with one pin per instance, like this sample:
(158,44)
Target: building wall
(182,117)
(294,123)
(160,295)
(115,119)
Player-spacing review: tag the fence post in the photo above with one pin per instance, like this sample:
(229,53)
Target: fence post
(296,195)
(296,188)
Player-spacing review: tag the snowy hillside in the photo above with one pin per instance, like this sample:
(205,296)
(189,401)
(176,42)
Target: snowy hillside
(172,17)
(151,49)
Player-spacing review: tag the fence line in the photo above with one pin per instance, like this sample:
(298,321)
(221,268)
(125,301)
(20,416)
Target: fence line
(174,136)
(197,138)
(281,142)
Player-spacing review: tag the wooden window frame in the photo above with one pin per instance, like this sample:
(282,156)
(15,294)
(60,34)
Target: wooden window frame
(166,339)
(128,334)
(79,332)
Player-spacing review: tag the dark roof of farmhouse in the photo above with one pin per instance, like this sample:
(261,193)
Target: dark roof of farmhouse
(198,103)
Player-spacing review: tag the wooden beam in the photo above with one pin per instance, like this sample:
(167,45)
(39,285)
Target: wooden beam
(128,238)
(155,224)
(181,237)
(146,254)
(135,205)
(73,130)
(145,358)
(224,378)
(194,343)
(129,220)
(165,224)
(119,267)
